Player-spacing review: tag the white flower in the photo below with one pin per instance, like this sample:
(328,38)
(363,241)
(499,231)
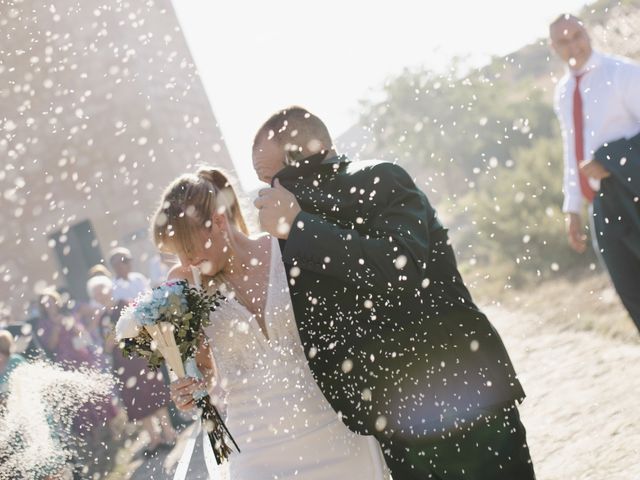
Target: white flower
(127,326)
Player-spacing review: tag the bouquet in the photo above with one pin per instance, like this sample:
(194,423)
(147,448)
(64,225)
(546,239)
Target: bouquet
(165,324)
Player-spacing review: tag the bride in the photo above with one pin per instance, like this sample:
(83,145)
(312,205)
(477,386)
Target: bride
(277,414)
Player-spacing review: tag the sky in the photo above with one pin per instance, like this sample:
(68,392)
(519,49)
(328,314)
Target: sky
(256,57)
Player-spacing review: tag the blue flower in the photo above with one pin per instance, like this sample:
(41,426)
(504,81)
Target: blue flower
(167,300)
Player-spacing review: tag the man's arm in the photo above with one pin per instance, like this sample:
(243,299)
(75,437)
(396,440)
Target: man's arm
(393,255)
(622,159)
(572,204)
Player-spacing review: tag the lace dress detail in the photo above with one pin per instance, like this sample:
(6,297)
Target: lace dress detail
(238,343)
(282,422)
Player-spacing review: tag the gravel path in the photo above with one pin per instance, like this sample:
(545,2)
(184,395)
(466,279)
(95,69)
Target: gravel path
(581,411)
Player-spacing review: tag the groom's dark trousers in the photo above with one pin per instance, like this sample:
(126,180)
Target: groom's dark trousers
(493,448)
(391,333)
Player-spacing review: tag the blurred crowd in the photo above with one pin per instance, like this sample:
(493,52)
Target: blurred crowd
(78,334)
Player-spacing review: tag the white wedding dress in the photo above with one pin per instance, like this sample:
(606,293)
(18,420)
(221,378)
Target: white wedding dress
(280,419)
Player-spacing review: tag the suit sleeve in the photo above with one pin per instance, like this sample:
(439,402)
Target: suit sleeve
(391,255)
(622,159)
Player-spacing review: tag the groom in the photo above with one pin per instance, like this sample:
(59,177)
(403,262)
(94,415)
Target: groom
(391,333)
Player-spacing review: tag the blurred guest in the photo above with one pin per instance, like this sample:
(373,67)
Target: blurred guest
(598,105)
(99,289)
(8,359)
(66,341)
(127,284)
(99,270)
(84,314)
(158,270)
(69,304)
(63,339)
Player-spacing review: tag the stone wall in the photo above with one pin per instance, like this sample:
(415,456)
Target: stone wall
(100,107)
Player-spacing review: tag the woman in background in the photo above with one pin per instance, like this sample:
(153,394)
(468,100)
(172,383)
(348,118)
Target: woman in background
(66,341)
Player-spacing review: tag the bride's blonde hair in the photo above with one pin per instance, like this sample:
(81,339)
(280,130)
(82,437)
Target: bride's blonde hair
(188,204)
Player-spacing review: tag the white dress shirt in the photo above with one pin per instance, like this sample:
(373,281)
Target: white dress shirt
(610,90)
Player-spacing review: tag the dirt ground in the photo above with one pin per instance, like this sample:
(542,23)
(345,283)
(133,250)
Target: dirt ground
(581,410)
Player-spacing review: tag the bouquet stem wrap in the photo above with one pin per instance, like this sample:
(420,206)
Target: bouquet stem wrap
(163,337)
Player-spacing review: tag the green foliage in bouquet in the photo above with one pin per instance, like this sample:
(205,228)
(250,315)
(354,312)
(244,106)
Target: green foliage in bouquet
(185,308)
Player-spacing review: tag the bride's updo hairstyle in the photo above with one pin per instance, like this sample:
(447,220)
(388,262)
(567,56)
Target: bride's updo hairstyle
(187,206)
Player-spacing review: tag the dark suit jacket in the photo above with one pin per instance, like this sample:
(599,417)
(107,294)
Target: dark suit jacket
(391,333)
(616,208)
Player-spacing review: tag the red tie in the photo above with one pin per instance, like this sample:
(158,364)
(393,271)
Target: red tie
(578,131)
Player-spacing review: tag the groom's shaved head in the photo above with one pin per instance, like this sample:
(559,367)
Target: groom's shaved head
(296,131)
(566,17)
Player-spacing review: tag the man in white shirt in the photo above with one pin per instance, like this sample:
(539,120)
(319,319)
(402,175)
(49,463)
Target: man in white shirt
(598,104)
(126,284)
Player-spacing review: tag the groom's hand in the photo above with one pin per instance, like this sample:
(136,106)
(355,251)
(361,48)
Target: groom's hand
(594,169)
(277,208)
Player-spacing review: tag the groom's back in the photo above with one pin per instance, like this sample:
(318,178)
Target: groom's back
(379,345)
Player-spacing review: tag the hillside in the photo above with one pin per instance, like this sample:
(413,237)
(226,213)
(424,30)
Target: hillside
(613,25)
(485,146)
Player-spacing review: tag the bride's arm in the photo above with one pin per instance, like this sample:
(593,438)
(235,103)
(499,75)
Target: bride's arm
(183,389)
(205,361)
(207,365)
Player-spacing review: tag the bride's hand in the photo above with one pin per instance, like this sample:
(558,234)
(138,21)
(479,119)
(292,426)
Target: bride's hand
(182,391)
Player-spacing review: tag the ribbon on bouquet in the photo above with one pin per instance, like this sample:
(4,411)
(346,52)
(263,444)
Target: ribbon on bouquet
(215,472)
(162,335)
